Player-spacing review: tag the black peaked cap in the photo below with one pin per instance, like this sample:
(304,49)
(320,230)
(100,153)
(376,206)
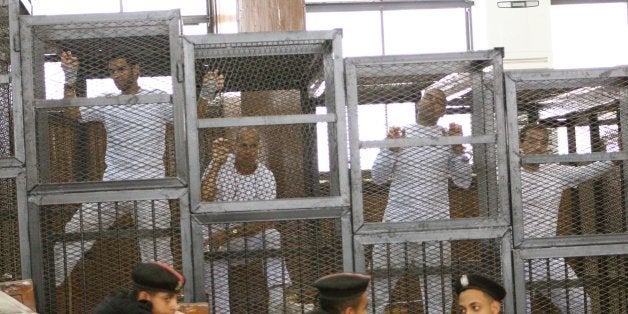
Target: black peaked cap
(157,276)
(479,282)
(342,285)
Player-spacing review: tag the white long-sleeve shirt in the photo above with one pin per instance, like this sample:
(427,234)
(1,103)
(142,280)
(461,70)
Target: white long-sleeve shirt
(542,190)
(419,188)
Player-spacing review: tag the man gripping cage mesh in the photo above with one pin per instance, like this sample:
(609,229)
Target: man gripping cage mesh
(136,147)
(233,177)
(419,191)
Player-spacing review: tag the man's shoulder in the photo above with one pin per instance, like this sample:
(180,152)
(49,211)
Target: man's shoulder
(318,311)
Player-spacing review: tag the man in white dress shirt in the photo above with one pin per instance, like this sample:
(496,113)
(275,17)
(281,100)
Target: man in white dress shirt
(419,191)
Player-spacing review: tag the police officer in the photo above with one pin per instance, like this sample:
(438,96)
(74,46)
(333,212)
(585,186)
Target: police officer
(478,294)
(155,289)
(342,293)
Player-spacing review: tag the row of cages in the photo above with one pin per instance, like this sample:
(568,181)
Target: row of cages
(452,166)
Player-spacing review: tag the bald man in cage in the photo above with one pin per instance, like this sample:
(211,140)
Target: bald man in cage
(135,149)
(419,190)
(235,175)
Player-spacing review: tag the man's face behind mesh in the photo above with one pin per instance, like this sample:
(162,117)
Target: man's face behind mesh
(124,75)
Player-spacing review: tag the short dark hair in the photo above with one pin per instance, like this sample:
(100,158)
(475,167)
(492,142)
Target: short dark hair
(130,58)
(336,306)
(123,301)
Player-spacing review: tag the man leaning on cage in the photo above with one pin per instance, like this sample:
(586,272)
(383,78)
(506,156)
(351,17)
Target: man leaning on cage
(136,148)
(419,191)
(233,177)
(541,190)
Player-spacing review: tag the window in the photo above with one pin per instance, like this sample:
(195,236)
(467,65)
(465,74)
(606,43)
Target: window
(589,35)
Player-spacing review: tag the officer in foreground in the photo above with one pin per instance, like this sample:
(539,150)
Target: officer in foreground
(342,293)
(478,294)
(155,289)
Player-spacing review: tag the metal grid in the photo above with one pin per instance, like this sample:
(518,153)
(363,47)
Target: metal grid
(6,123)
(284,86)
(10,265)
(91,248)
(432,137)
(101,93)
(576,284)
(406,274)
(279,113)
(6,130)
(568,128)
(269,266)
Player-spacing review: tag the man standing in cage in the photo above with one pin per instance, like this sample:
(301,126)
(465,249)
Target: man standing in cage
(135,149)
(237,177)
(419,191)
(541,190)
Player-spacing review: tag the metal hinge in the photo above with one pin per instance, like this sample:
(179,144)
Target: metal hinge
(180,70)
(16,43)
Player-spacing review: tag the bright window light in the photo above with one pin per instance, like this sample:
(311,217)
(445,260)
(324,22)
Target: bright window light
(589,35)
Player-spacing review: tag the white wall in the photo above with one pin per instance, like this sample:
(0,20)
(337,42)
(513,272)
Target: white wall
(525,33)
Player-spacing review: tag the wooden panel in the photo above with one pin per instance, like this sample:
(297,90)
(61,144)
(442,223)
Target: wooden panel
(22,291)
(271,15)
(194,308)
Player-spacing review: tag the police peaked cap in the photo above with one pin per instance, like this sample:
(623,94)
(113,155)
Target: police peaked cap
(342,285)
(486,285)
(157,276)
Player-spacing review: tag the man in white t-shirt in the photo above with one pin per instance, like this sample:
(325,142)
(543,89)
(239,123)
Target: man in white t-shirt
(420,191)
(541,189)
(136,144)
(236,177)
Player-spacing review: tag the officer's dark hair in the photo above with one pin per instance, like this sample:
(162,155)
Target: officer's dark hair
(336,306)
(123,301)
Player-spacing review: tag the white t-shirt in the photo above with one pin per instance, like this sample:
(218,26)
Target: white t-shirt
(135,137)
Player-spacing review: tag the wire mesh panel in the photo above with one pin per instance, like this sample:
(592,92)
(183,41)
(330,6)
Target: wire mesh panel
(569,127)
(90,249)
(100,89)
(424,134)
(591,284)
(10,268)
(285,88)
(6,123)
(269,266)
(417,276)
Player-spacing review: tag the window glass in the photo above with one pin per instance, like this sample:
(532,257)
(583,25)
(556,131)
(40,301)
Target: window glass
(589,35)
(227,20)
(361,31)
(47,7)
(188,7)
(199,29)
(424,31)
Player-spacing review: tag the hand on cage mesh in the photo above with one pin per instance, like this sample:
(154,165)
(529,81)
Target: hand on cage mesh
(220,150)
(456,130)
(213,82)
(215,241)
(69,65)
(395,133)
